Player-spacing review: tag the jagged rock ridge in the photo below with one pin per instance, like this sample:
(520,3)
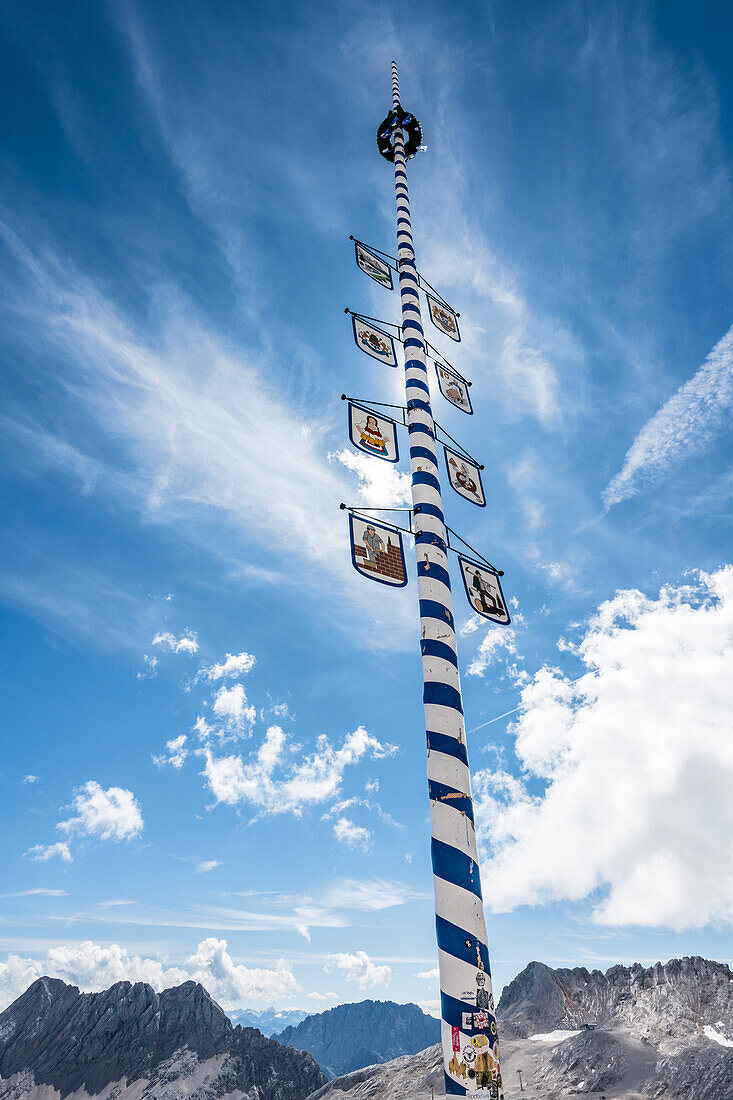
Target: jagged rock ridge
(663,1003)
(54,1035)
(355,1035)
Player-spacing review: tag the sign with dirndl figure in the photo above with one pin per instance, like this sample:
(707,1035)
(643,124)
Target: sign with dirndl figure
(453,388)
(443,317)
(373,265)
(373,434)
(484,591)
(465,477)
(374,342)
(377,551)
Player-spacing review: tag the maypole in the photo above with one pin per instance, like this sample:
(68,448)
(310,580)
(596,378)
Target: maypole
(463,953)
(469,1039)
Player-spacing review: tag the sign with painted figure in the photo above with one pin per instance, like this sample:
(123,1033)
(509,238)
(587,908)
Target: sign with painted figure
(377,551)
(485,597)
(375,267)
(453,388)
(374,342)
(375,435)
(443,317)
(465,477)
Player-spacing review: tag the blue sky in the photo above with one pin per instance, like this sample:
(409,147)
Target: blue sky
(213,761)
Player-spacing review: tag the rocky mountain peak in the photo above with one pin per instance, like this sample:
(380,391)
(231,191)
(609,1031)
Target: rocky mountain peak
(54,1035)
(662,1002)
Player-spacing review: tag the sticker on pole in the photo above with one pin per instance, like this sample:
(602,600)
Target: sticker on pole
(465,477)
(453,388)
(377,551)
(374,342)
(375,435)
(484,593)
(373,265)
(443,317)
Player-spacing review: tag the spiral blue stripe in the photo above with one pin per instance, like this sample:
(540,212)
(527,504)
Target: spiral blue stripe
(442,695)
(455,866)
(429,538)
(441,742)
(453,939)
(434,572)
(440,792)
(426,479)
(431,609)
(423,452)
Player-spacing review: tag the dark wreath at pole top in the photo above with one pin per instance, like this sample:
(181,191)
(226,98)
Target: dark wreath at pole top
(399,119)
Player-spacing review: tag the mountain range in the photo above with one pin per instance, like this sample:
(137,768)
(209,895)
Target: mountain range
(632,1033)
(355,1035)
(130,1041)
(270,1021)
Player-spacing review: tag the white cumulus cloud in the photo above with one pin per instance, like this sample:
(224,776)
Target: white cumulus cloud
(351,835)
(112,814)
(187,643)
(359,969)
(93,966)
(636,764)
(379,483)
(275,779)
(44,852)
(231,706)
(234,664)
(207,865)
(177,753)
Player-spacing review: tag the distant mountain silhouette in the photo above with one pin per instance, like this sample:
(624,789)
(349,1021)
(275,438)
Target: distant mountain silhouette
(356,1035)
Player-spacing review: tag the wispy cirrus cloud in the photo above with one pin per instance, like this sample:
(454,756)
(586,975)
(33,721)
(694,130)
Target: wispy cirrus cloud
(684,426)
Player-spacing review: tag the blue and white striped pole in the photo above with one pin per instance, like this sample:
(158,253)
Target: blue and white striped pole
(465,979)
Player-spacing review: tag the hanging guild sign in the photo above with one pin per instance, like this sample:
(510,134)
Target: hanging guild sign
(453,388)
(465,477)
(377,268)
(373,434)
(484,591)
(377,551)
(374,342)
(443,317)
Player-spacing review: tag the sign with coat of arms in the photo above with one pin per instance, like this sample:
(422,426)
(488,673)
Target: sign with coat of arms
(443,317)
(372,433)
(377,551)
(374,266)
(453,388)
(465,477)
(484,591)
(374,342)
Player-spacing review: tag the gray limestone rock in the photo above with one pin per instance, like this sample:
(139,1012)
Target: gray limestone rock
(56,1036)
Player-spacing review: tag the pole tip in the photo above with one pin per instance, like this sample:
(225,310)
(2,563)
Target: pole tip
(347,310)
(499,572)
(343,398)
(342,506)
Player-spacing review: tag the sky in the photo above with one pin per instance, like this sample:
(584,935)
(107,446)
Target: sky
(213,761)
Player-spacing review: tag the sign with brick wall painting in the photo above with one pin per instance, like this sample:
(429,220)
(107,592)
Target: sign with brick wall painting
(377,551)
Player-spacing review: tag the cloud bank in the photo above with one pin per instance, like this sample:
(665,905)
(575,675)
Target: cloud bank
(634,763)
